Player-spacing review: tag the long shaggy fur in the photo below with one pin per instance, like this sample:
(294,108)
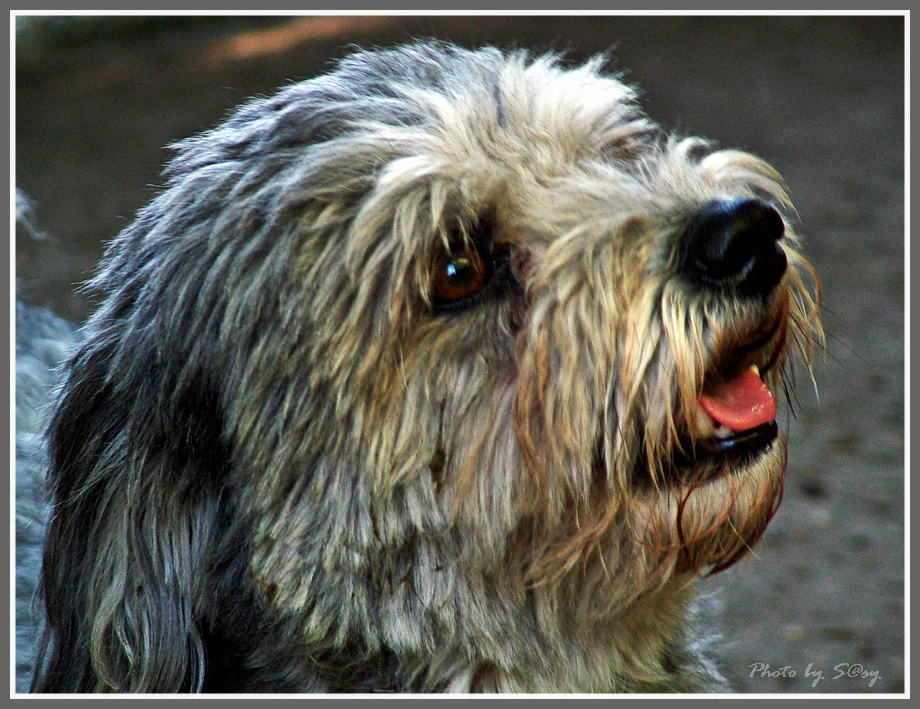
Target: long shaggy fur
(279,463)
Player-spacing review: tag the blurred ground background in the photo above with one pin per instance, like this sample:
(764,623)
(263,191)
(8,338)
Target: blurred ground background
(821,98)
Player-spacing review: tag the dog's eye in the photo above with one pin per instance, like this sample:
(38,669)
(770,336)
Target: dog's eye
(458,276)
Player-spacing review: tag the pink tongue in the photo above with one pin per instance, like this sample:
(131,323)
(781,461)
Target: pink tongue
(741,402)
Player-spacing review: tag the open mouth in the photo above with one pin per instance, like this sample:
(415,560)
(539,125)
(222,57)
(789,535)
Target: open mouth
(732,423)
(736,416)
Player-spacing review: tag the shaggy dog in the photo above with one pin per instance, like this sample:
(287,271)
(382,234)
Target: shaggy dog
(447,371)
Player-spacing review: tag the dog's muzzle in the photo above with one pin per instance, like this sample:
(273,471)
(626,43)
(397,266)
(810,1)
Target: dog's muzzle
(732,247)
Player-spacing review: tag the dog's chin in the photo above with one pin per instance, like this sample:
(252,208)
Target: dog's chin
(719,498)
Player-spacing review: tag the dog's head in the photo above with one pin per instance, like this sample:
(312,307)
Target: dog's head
(440,343)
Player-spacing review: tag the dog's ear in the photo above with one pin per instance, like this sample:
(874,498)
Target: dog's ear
(136,461)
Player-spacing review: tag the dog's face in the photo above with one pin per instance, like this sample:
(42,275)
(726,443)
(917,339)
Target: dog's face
(504,334)
(476,344)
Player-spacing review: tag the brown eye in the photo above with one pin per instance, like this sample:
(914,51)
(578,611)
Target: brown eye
(458,275)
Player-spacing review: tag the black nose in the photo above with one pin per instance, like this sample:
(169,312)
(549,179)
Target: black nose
(734,244)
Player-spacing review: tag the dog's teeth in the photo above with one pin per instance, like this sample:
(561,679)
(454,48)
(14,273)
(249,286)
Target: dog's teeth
(723,432)
(755,369)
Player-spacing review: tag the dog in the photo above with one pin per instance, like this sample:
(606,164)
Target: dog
(447,371)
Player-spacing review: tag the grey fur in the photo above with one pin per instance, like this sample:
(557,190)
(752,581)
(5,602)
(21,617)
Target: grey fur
(43,343)
(278,465)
